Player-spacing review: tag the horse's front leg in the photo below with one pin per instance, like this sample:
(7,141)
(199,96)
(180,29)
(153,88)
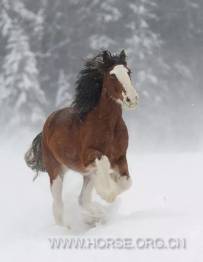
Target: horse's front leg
(85,197)
(93,212)
(105,184)
(121,174)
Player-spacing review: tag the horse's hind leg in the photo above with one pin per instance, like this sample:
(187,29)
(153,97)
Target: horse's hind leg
(56,190)
(56,174)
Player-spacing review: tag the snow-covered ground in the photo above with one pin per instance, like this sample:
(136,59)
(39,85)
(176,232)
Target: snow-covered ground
(164,202)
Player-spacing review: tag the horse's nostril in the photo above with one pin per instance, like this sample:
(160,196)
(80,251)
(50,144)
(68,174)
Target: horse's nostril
(128,100)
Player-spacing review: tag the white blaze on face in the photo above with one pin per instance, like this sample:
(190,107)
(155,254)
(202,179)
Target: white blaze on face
(130,95)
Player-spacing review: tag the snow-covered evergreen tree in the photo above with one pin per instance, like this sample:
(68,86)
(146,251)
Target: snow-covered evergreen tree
(22,100)
(162,39)
(143,43)
(63,96)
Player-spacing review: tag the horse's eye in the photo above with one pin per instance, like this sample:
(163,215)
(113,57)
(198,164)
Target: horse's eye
(129,72)
(113,76)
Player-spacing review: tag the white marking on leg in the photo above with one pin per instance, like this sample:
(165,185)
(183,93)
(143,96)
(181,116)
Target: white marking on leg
(92,212)
(86,192)
(124,182)
(56,190)
(103,182)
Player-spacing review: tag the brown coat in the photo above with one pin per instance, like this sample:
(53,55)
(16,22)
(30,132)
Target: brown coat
(69,141)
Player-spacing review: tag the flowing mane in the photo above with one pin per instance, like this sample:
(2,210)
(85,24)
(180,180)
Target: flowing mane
(90,80)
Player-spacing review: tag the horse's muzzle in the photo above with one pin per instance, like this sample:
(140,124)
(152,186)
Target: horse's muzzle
(131,103)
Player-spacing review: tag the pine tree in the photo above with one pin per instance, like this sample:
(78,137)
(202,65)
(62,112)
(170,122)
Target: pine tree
(63,97)
(22,99)
(143,45)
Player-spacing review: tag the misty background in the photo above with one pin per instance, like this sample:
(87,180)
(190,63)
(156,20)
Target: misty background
(43,44)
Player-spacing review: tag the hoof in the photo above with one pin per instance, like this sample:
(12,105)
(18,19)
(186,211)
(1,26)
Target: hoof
(124,182)
(93,214)
(59,221)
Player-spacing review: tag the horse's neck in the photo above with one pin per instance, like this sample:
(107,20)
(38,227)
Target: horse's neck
(107,108)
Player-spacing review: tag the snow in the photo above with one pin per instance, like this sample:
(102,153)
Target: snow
(165,201)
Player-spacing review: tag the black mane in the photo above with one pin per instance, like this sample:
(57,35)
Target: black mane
(90,79)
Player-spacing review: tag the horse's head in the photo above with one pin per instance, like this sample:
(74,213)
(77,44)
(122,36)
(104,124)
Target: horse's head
(117,80)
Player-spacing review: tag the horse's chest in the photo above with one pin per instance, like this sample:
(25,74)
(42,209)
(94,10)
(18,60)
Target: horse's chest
(109,138)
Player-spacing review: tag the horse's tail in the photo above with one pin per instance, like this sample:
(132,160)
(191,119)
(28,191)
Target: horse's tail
(33,156)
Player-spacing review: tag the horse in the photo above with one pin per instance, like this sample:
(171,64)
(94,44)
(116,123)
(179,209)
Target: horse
(89,137)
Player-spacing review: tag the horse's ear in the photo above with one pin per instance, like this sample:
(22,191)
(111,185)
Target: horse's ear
(106,57)
(123,56)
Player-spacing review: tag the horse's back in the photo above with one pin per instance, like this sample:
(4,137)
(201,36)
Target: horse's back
(64,118)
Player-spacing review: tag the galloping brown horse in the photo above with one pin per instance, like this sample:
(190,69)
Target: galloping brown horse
(89,137)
